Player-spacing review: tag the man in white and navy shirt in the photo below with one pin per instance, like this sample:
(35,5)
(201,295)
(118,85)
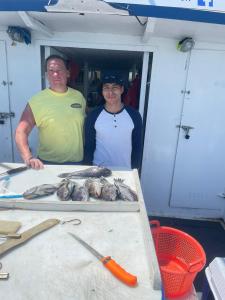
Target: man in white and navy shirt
(113,132)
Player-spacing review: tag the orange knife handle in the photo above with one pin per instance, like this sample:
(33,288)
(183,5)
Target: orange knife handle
(118,271)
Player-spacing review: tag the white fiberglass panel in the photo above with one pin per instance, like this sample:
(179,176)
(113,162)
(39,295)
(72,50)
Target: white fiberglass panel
(199,173)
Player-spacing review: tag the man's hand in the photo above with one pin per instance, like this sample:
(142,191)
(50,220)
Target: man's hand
(34,163)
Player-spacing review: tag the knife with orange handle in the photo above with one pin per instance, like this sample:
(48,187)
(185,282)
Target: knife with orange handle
(110,264)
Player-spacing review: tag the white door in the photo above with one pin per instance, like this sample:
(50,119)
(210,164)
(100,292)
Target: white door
(6,153)
(199,172)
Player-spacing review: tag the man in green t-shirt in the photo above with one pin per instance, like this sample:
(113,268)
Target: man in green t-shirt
(58,112)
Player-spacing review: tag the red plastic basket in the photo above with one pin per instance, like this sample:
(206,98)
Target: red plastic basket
(180,258)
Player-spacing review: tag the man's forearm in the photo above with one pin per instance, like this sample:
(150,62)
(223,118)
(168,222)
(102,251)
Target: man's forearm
(22,145)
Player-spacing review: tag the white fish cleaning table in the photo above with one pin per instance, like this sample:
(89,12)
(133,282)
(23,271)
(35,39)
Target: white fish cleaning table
(53,265)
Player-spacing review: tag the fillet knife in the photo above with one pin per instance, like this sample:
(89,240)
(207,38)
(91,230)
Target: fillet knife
(13,171)
(110,264)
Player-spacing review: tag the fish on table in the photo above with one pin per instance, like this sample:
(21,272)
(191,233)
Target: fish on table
(109,191)
(98,188)
(92,172)
(102,189)
(70,190)
(125,193)
(65,189)
(94,187)
(40,191)
(80,193)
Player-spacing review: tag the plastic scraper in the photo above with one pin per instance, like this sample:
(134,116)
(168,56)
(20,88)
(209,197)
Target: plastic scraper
(27,235)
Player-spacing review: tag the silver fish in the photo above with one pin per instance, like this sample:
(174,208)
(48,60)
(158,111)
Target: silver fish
(40,191)
(65,189)
(91,172)
(80,193)
(94,187)
(109,191)
(124,191)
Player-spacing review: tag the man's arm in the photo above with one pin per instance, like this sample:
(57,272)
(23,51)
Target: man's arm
(26,124)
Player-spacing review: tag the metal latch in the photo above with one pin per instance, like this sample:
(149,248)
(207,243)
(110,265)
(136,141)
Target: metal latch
(186,130)
(6,115)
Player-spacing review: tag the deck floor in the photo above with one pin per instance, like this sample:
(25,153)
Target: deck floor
(210,234)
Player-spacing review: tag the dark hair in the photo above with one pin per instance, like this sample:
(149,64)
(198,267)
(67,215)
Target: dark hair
(54,56)
(112,77)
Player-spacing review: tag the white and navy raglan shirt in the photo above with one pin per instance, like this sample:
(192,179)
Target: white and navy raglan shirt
(113,139)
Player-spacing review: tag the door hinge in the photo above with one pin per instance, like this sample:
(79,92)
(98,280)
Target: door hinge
(7,82)
(185,92)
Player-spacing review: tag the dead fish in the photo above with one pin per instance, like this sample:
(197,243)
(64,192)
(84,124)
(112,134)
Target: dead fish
(91,172)
(80,193)
(65,189)
(109,191)
(40,191)
(124,191)
(94,187)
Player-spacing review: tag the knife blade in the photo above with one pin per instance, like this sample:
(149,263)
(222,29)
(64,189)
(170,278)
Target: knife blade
(110,264)
(13,171)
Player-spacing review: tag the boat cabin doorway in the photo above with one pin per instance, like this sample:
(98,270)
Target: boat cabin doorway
(88,65)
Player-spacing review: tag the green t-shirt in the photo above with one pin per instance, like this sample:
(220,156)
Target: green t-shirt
(59,118)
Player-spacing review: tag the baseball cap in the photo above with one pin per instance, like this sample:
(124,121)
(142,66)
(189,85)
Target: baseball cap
(112,77)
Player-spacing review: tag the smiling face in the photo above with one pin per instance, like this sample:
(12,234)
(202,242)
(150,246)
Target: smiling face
(112,93)
(57,75)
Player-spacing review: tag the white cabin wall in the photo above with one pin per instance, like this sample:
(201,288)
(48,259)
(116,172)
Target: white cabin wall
(24,71)
(169,74)
(164,110)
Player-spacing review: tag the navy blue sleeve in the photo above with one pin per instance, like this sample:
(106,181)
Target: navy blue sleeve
(90,136)
(136,153)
